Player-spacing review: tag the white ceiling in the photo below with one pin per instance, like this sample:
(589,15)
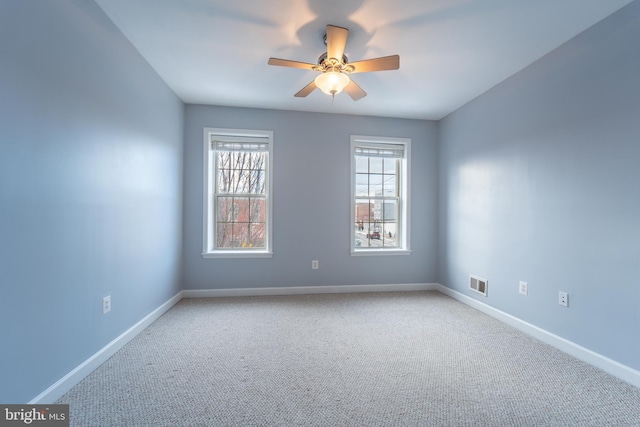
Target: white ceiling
(215,51)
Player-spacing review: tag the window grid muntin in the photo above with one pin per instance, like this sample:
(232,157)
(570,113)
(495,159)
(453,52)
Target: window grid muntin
(239,167)
(391,149)
(218,139)
(377,167)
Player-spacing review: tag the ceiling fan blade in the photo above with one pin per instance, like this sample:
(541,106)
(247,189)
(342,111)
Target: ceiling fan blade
(306,90)
(336,41)
(291,64)
(355,91)
(377,64)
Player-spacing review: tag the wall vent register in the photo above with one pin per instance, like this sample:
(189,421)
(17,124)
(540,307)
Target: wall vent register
(478,284)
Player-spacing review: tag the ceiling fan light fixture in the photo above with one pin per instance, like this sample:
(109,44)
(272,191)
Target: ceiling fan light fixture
(332,82)
(335,72)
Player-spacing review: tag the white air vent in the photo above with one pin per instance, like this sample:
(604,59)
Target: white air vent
(478,284)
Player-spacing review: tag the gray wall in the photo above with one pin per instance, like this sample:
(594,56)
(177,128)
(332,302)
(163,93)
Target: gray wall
(90,189)
(311,202)
(540,182)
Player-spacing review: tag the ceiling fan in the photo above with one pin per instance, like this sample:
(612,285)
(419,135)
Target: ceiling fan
(335,67)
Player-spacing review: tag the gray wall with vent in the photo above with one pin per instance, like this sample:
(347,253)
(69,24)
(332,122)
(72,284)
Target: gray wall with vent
(540,182)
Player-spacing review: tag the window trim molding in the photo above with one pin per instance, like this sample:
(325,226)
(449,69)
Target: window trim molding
(405,191)
(209,195)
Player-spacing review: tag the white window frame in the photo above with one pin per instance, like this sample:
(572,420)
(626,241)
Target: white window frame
(210,169)
(404,208)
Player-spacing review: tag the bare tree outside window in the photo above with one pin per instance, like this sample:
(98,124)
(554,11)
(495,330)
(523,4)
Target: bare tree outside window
(241,199)
(237,193)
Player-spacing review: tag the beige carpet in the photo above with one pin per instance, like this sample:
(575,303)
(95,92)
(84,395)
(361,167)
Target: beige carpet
(377,359)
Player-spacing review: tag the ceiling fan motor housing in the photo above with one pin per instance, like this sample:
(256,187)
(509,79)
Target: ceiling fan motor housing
(332,64)
(334,67)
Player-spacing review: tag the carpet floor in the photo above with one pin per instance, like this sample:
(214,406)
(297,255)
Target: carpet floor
(372,359)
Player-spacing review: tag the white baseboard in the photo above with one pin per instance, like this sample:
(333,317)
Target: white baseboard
(610,366)
(307,290)
(65,383)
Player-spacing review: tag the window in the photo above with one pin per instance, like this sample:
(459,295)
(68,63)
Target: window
(237,207)
(379,195)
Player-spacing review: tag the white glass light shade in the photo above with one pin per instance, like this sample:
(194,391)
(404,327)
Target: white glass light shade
(332,82)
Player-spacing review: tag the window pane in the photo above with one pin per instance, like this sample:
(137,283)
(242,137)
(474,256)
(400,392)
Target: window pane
(225,208)
(238,160)
(363,214)
(224,160)
(362,185)
(256,181)
(241,209)
(244,181)
(257,239)
(367,227)
(375,185)
(373,235)
(257,209)
(375,164)
(366,235)
(225,180)
(362,164)
(224,236)
(241,235)
(257,175)
(389,186)
(389,234)
(389,210)
(390,166)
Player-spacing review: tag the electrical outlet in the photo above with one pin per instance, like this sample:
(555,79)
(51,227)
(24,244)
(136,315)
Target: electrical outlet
(523,289)
(314,264)
(563,299)
(106,304)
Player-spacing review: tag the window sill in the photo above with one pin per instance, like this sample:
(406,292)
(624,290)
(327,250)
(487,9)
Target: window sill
(378,252)
(238,254)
